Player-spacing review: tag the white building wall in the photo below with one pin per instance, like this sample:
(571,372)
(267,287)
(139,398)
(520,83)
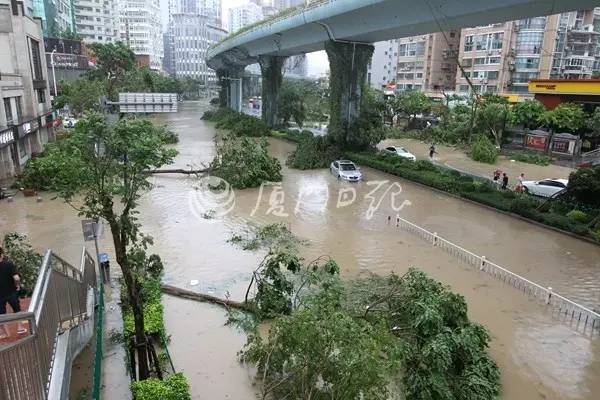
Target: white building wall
(382,69)
(140,27)
(244,15)
(95,21)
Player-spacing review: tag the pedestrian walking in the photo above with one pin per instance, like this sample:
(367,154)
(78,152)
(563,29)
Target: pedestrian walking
(432,151)
(10,284)
(520,186)
(497,174)
(504,181)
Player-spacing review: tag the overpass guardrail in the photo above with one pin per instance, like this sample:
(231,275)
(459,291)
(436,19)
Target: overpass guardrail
(578,316)
(63,299)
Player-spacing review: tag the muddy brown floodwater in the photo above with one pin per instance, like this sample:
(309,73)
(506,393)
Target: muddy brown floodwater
(540,358)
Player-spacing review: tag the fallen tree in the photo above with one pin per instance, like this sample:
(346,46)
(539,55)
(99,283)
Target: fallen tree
(205,298)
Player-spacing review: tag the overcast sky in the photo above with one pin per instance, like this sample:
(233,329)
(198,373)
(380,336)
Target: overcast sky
(317,62)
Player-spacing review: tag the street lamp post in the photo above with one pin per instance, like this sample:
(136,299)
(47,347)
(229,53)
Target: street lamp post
(53,72)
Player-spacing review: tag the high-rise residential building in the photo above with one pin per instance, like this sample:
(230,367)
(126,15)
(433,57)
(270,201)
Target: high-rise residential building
(209,8)
(56,16)
(382,68)
(96,21)
(25,114)
(283,4)
(243,15)
(141,28)
(427,62)
(192,35)
(505,57)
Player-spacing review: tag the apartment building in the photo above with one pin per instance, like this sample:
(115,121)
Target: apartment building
(191,36)
(96,20)
(244,15)
(427,62)
(209,8)
(382,68)
(505,57)
(141,28)
(56,16)
(25,114)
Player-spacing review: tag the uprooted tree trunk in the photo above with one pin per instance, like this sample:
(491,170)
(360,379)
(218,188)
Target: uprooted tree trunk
(206,298)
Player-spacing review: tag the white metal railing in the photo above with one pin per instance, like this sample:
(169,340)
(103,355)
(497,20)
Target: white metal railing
(578,316)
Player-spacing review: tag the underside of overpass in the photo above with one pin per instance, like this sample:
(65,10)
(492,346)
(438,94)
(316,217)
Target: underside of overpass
(358,23)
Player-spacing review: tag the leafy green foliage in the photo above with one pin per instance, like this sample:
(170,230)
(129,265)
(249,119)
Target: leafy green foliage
(28,261)
(584,186)
(239,124)
(491,120)
(531,157)
(483,150)
(593,123)
(292,102)
(81,95)
(568,117)
(174,387)
(408,334)
(527,113)
(275,237)
(245,162)
(113,60)
(100,165)
(578,215)
(413,103)
(312,153)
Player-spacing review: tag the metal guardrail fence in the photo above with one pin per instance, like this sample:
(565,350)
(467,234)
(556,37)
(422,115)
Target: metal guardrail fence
(59,302)
(579,316)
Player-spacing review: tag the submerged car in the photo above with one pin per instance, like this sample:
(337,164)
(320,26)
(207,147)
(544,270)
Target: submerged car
(546,187)
(346,170)
(400,151)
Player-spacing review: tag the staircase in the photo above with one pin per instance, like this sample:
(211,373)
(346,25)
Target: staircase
(59,322)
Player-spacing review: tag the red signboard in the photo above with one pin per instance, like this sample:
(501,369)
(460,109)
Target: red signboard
(536,142)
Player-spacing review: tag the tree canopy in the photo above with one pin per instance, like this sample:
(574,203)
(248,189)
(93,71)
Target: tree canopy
(569,117)
(527,113)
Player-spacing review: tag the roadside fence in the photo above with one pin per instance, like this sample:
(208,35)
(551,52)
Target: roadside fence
(578,316)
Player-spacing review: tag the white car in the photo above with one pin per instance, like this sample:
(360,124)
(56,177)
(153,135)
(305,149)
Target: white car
(346,170)
(69,122)
(400,151)
(546,187)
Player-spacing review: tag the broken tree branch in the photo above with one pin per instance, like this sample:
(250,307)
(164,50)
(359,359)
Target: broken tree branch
(205,298)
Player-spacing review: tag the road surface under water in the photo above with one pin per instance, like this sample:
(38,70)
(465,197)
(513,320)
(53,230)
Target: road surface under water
(540,357)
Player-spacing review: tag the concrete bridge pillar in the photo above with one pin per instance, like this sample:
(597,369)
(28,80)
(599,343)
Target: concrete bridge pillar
(348,64)
(230,80)
(272,76)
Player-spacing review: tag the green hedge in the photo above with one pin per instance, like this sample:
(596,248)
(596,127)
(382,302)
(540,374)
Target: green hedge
(239,124)
(174,387)
(153,310)
(481,191)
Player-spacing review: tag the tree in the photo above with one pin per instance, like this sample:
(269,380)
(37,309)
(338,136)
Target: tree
(292,103)
(584,186)
(113,61)
(28,261)
(102,174)
(413,103)
(81,95)
(568,117)
(593,123)
(491,120)
(527,113)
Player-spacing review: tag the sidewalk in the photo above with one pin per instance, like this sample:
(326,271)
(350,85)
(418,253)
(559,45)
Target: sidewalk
(456,159)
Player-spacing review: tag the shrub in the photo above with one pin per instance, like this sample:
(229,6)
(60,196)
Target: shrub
(26,259)
(531,158)
(483,150)
(584,186)
(245,162)
(577,215)
(239,124)
(424,165)
(174,387)
(523,205)
(312,153)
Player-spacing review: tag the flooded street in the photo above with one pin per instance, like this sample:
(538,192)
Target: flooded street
(540,358)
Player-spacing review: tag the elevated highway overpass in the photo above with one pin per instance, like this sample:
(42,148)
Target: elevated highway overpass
(346,29)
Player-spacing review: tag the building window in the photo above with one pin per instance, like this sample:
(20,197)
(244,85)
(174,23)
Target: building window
(469,43)
(8,111)
(527,63)
(22,147)
(463,88)
(492,74)
(19,108)
(36,62)
(41,95)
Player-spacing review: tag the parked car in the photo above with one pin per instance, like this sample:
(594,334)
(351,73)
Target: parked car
(546,187)
(346,170)
(400,151)
(69,122)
